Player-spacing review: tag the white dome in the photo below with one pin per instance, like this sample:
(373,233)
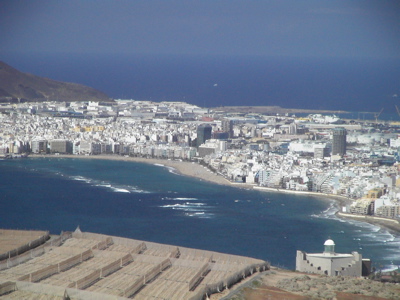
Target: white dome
(329,243)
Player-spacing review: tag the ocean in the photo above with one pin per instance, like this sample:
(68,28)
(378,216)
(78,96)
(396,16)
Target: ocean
(350,84)
(154,203)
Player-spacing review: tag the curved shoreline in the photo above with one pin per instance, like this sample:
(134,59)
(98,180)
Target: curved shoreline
(390,224)
(198,171)
(185,168)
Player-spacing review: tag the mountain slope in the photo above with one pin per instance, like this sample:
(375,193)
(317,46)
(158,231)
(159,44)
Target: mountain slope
(27,87)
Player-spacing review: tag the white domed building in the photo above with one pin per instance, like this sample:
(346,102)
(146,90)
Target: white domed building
(329,262)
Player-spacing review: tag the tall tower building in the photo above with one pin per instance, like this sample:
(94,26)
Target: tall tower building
(227,126)
(339,141)
(293,128)
(203,134)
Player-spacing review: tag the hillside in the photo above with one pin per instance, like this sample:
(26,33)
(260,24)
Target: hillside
(16,85)
(284,284)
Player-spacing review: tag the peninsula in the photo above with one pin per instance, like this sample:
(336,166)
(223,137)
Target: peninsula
(16,87)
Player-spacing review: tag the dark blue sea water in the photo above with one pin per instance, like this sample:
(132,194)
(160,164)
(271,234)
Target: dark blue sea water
(152,203)
(209,81)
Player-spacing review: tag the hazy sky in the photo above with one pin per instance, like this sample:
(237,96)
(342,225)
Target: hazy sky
(238,27)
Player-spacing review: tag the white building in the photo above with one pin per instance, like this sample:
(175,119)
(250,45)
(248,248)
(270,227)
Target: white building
(39,146)
(329,262)
(306,146)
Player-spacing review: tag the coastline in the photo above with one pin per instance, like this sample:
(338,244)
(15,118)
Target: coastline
(339,200)
(198,171)
(390,224)
(185,168)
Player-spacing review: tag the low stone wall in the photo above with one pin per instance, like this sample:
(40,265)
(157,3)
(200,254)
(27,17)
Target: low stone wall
(230,281)
(25,247)
(148,277)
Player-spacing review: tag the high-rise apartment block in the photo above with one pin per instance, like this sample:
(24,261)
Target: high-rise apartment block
(227,126)
(60,146)
(203,134)
(339,141)
(39,146)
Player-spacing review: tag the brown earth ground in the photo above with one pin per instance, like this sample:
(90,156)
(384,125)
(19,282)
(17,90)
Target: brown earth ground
(284,284)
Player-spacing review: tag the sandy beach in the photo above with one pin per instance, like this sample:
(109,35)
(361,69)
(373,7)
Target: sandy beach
(196,170)
(185,168)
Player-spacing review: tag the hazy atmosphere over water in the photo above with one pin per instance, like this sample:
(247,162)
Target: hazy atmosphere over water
(311,54)
(312,28)
(210,81)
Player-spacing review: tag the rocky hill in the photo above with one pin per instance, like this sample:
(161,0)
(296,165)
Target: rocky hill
(18,86)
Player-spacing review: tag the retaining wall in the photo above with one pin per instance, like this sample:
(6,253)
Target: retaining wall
(7,287)
(14,261)
(56,268)
(149,276)
(195,281)
(229,281)
(26,247)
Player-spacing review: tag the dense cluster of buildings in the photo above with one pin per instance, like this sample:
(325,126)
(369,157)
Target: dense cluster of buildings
(353,159)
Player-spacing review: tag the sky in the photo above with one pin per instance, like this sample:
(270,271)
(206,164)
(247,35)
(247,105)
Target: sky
(299,28)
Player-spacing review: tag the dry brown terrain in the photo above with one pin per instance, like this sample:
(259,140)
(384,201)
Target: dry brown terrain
(283,284)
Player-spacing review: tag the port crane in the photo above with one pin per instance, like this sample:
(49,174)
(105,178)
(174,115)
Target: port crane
(397,109)
(376,115)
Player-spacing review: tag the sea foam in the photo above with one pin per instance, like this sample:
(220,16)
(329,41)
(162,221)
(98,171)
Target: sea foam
(110,186)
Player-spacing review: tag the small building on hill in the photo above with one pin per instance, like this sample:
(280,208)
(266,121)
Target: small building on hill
(329,262)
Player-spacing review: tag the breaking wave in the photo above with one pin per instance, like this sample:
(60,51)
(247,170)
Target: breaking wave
(109,185)
(191,209)
(180,199)
(368,235)
(170,169)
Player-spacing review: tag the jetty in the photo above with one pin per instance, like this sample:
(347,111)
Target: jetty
(83,265)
